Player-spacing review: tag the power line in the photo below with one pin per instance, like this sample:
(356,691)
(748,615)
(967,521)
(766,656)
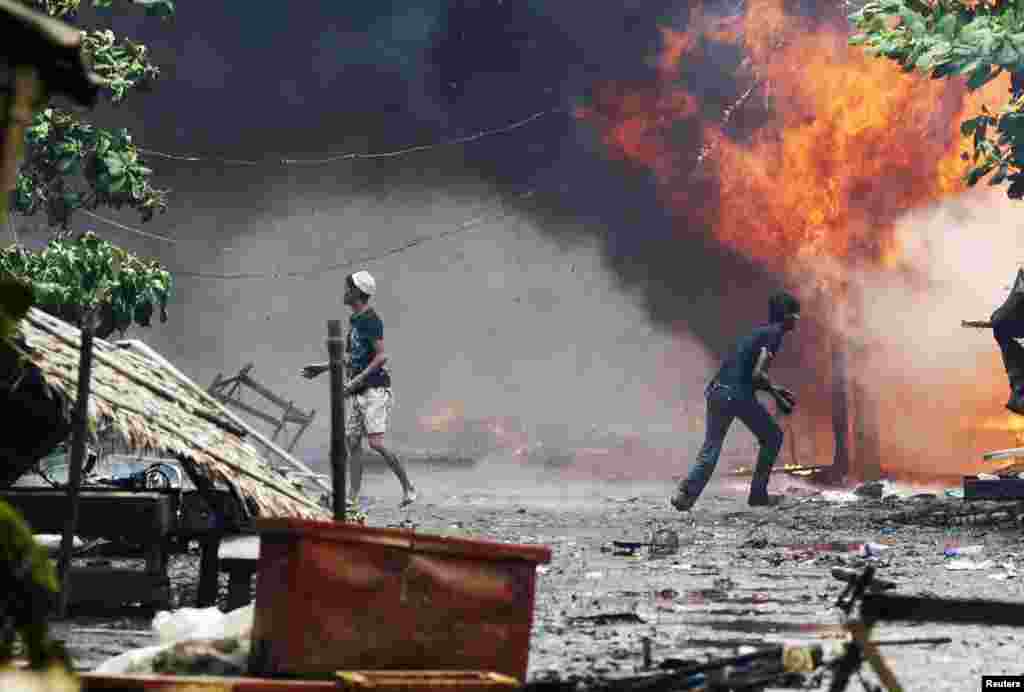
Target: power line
(355,155)
(460,228)
(137,231)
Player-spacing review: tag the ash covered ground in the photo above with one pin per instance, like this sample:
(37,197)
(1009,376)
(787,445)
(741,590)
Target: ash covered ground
(741,578)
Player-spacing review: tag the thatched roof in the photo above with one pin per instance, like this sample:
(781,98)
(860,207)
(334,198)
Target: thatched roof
(154,408)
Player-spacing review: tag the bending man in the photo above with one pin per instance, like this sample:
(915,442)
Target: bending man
(730,395)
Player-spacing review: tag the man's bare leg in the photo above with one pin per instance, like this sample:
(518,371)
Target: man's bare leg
(355,467)
(376,441)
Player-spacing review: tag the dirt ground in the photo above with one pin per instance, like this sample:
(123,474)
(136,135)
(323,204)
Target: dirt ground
(741,577)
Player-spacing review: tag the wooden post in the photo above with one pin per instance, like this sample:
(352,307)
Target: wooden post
(840,408)
(79,430)
(18,107)
(339,446)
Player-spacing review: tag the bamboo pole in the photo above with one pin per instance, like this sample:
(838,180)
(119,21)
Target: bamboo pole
(339,446)
(79,430)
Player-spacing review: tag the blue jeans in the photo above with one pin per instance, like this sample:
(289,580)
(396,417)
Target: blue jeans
(725,404)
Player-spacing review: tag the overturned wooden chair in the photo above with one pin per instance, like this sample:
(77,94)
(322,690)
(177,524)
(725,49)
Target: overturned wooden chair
(229,391)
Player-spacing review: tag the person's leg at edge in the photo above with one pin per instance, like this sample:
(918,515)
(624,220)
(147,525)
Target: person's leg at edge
(354,433)
(1013,361)
(355,466)
(376,442)
(718,421)
(769,437)
(377,413)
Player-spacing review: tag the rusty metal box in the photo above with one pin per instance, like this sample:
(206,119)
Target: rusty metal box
(334,596)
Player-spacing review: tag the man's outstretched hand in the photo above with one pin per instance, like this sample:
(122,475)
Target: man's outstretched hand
(311,371)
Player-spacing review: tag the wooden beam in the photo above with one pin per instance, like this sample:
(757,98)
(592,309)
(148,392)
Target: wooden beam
(250,410)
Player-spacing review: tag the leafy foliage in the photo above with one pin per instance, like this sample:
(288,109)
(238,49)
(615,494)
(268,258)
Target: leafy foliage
(28,582)
(951,38)
(68,9)
(16,297)
(71,164)
(71,276)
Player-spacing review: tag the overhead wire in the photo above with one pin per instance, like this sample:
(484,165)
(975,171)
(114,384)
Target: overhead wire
(308,273)
(130,229)
(350,156)
(460,228)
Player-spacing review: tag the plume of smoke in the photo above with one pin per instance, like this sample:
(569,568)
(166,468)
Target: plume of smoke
(937,382)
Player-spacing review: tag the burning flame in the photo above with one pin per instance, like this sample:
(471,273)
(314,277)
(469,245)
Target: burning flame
(1012,424)
(808,164)
(444,420)
(851,144)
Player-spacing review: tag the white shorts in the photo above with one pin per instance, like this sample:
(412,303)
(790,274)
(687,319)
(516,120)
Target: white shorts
(368,412)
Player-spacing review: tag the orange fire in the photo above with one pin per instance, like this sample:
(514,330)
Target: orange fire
(1011,424)
(444,420)
(852,142)
(845,144)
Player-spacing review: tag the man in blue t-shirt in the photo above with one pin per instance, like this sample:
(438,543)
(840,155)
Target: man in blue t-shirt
(730,395)
(368,390)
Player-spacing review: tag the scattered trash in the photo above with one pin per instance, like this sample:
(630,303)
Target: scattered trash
(871,489)
(625,548)
(756,542)
(204,657)
(607,619)
(664,542)
(594,575)
(192,640)
(682,566)
(1010,573)
(955,493)
(969,565)
(724,584)
(850,576)
(872,550)
(801,659)
(964,550)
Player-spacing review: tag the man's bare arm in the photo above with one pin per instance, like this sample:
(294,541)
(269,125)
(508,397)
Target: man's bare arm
(763,361)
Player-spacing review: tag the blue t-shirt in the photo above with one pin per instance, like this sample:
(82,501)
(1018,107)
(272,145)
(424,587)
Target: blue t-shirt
(738,369)
(365,330)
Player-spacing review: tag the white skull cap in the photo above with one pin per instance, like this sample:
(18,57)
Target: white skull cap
(364,282)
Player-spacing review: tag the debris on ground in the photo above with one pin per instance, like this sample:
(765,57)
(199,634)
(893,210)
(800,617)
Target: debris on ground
(193,641)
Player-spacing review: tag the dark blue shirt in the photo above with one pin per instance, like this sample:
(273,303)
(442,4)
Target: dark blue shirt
(737,370)
(366,329)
